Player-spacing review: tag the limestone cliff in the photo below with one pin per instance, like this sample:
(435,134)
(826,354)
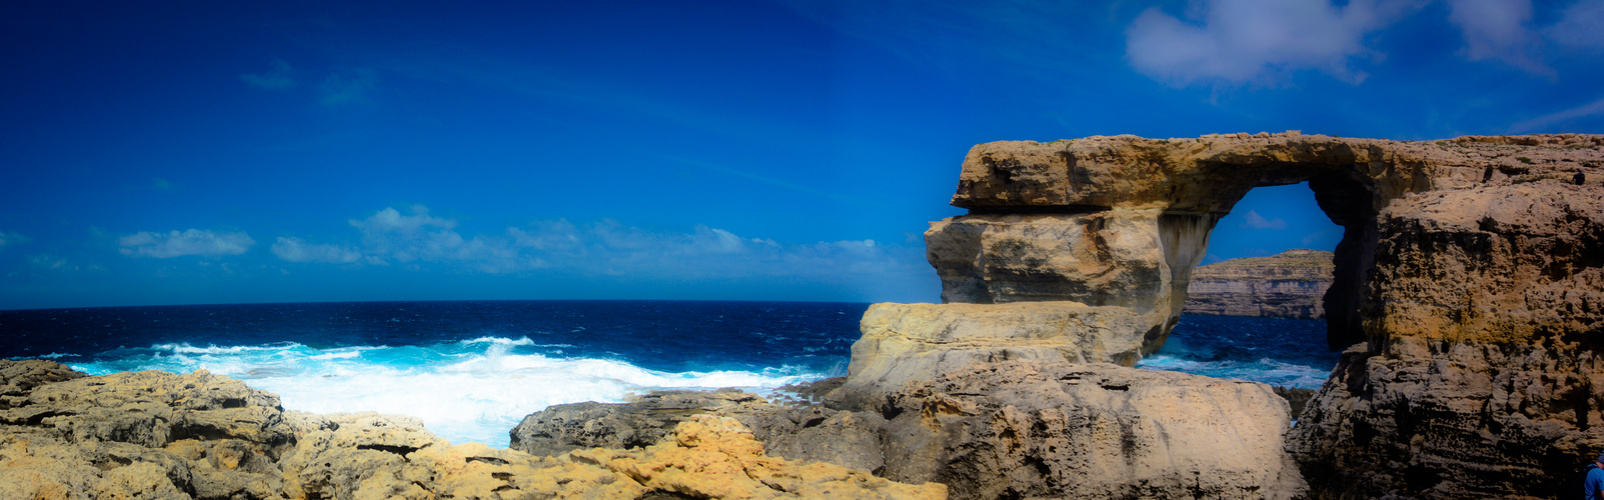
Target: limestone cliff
(1291,284)
(1470,274)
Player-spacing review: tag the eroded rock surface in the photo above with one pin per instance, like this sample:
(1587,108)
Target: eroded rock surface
(642,422)
(908,342)
(137,435)
(1291,284)
(1134,260)
(1471,273)
(1050,429)
(1482,377)
(156,435)
(1029,428)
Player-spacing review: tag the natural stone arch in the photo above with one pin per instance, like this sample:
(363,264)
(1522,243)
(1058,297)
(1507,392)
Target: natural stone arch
(1021,195)
(1474,268)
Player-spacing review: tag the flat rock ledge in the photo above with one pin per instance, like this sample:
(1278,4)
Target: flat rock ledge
(1022,428)
(157,435)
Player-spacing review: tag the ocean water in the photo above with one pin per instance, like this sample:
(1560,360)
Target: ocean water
(473,369)
(1276,351)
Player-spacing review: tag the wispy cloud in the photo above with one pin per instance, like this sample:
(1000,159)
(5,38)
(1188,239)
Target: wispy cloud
(1580,25)
(1241,41)
(605,248)
(611,248)
(1261,41)
(1496,29)
(278,78)
(53,262)
(8,239)
(298,250)
(1590,109)
(191,242)
(347,87)
(1255,221)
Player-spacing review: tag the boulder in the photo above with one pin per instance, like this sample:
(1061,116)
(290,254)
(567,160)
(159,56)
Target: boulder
(138,435)
(641,422)
(716,457)
(907,342)
(1028,428)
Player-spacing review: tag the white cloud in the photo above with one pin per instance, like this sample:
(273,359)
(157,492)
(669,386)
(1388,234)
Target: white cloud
(606,248)
(1256,221)
(388,235)
(1580,25)
(1238,41)
(190,242)
(298,250)
(1496,29)
(274,79)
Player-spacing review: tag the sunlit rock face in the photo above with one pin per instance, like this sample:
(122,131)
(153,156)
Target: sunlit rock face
(160,435)
(1470,269)
(1291,284)
(1137,260)
(1483,376)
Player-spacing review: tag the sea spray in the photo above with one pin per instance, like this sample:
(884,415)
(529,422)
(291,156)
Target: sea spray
(474,390)
(1275,351)
(473,369)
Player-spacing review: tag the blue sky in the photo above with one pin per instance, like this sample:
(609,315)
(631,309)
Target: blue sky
(204,152)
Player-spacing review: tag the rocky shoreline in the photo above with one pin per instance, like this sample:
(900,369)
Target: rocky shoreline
(1015,429)
(157,435)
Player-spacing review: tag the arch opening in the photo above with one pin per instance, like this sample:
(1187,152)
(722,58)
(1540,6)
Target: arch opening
(1259,314)
(1348,200)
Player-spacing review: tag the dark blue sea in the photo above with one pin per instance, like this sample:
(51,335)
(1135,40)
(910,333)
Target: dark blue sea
(472,369)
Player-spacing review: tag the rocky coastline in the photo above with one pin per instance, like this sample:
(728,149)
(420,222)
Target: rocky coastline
(1291,284)
(1467,295)
(158,435)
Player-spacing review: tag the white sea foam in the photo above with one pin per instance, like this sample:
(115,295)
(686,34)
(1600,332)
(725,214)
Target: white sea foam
(1264,370)
(475,390)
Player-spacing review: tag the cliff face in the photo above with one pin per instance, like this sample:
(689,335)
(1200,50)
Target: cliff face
(1292,284)
(1470,275)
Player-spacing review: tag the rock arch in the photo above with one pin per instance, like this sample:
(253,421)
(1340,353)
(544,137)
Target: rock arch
(1177,189)
(1470,279)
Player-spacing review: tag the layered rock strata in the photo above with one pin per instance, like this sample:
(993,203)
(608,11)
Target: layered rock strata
(1483,374)
(1021,429)
(1471,274)
(907,342)
(1291,284)
(1134,260)
(201,436)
